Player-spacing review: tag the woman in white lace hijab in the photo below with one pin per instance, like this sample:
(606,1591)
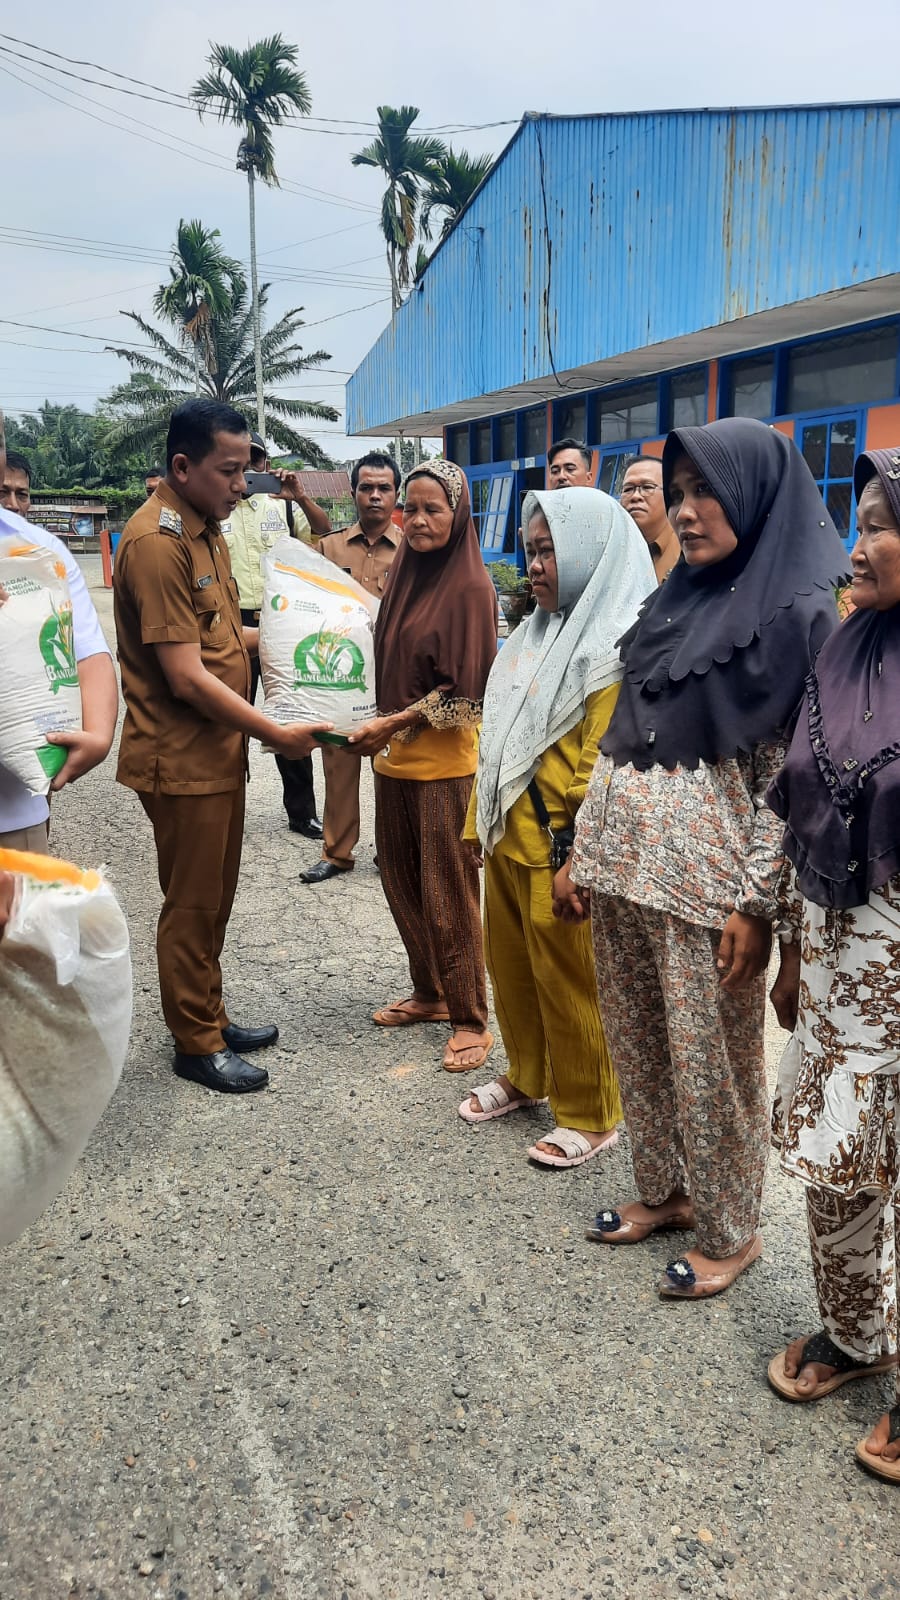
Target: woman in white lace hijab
(549,699)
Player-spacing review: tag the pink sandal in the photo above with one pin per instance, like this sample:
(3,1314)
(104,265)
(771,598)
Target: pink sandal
(575,1147)
(494,1102)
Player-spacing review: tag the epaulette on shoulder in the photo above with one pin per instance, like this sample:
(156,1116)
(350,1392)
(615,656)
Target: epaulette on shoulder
(169,521)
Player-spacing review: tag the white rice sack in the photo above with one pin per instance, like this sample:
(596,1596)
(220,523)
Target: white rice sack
(316,641)
(38,669)
(65,1005)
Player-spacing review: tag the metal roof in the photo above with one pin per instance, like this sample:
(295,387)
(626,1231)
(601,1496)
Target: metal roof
(601,248)
(325,485)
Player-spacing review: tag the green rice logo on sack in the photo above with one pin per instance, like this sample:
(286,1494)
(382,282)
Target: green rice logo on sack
(57,647)
(328,660)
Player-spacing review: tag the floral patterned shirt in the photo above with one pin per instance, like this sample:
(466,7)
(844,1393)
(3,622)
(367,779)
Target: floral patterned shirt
(696,845)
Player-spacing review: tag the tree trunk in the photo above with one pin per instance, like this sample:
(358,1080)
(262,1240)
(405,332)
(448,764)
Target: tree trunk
(254,288)
(396,296)
(196,349)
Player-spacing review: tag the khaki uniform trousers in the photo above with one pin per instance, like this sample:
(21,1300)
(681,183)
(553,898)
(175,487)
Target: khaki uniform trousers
(340,818)
(198,847)
(33,838)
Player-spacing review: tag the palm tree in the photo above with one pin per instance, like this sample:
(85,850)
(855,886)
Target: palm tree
(256,88)
(139,410)
(200,280)
(451,187)
(61,444)
(407,162)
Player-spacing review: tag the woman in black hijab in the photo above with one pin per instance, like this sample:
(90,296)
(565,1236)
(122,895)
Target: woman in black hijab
(676,853)
(837,1109)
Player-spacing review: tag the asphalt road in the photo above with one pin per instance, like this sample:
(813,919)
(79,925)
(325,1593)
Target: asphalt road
(330,1341)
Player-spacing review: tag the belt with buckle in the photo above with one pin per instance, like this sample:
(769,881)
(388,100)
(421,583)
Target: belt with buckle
(249,617)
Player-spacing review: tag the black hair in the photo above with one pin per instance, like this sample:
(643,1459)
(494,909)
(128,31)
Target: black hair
(194,425)
(571,444)
(375,458)
(19,463)
(638,461)
(154,472)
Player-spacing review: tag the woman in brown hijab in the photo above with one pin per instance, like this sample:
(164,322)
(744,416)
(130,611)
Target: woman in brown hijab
(435,643)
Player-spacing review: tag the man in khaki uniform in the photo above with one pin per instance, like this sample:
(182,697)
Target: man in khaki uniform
(255,524)
(366,551)
(185,681)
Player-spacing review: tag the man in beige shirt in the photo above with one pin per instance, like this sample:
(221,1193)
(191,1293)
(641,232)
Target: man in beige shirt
(365,551)
(642,497)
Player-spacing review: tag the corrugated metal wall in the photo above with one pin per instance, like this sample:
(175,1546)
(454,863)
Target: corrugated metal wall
(646,227)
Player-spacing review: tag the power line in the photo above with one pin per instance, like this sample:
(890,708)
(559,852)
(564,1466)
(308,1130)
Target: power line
(117,126)
(73,62)
(329,276)
(218,165)
(298,243)
(186,101)
(37,327)
(110,294)
(380,302)
(177,104)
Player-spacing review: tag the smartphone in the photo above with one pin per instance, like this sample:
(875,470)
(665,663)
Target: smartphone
(261,483)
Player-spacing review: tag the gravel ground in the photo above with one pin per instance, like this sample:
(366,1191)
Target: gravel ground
(330,1341)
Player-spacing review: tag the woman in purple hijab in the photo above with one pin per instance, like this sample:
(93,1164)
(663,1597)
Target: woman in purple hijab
(836,1119)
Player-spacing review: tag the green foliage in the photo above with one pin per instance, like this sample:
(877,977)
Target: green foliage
(139,409)
(407,162)
(506,578)
(201,280)
(257,89)
(451,186)
(65,445)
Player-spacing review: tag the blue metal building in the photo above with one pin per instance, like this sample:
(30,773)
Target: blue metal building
(617,275)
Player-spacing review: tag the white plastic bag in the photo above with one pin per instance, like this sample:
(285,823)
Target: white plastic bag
(65,1019)
(316,644)
(38,670)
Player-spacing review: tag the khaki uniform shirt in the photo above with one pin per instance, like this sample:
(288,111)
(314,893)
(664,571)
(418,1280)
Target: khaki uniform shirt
(173,585)
(369,564)
(251,530)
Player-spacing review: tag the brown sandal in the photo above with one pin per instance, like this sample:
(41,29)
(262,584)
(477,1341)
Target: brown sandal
(889,1471)
(451,1063)
(820,1350)
(399,1015)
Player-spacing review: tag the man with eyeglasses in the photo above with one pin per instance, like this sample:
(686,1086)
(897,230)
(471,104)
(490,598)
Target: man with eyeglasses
(642,497)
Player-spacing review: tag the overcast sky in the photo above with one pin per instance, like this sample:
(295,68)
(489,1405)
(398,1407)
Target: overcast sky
(478,61)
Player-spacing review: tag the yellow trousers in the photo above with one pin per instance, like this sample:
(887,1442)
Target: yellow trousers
(545,997)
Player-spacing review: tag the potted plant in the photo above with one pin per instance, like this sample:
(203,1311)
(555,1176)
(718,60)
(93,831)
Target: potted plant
(513,590)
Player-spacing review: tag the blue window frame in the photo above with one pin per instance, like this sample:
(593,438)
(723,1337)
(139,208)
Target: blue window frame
(612,467)
(492,494)
(829,444)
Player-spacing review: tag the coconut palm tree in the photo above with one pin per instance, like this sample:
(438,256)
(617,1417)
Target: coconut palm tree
(451,186)
(407,162)
(256,88)
(139,410)
(200,281)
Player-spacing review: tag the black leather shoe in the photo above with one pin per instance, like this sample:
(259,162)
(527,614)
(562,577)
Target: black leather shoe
(321,871)
(249,1038)
(311,828)
(224,1071)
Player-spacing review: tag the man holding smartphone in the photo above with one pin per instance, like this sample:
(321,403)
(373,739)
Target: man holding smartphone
(269,511)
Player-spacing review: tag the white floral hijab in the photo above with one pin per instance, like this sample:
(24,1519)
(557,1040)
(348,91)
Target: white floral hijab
(553,662)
